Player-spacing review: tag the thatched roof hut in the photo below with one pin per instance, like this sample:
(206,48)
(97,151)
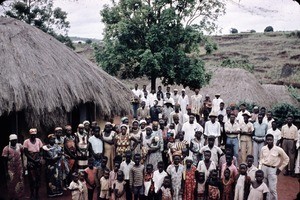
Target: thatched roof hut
(236,85)
(46,80)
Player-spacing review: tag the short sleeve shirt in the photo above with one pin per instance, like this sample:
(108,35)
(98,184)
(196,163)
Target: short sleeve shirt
(33,147)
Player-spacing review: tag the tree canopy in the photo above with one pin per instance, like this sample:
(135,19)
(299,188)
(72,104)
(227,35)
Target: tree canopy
(159,39)
(41,14)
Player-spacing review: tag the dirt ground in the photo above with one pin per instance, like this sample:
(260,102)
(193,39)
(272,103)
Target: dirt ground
(287,189)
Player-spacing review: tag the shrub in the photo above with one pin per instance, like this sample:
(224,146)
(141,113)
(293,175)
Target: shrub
(243,64)
(269,29)
(282,110)
(252,31)
(249,106)
(88,41)
(233,30)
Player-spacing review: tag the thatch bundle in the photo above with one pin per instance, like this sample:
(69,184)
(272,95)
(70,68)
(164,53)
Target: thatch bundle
(45,79)
(236,85)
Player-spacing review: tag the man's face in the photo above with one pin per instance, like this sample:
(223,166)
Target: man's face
(191,119)
(143,104)
(168,89)
(289,120)
(269,115)
(136,86)
(242,107)
(211,142)
(13,142)
(196,91)
(250,161)
(68,131)
(176,160)
(137,159)
(80,130)
(228,159)
(221,106)
(232,118)
(148,131)
(207,156)
(270,141)
(260,118)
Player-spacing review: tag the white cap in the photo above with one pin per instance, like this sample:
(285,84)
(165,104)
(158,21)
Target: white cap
(13,137)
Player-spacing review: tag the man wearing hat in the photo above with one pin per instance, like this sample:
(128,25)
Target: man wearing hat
(175,96)
(33,152)
(183,101)
(167,110)
(213,128)
(12,156)
(87,128)
(196,102)
(216,102)
(254,115)
(246,136)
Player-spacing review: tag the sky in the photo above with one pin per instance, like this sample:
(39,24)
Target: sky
(244,15)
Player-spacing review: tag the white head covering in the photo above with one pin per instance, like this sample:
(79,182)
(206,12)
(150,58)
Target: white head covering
(13,137)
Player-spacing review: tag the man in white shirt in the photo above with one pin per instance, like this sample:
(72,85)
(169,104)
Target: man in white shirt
(183,101)
(275,132)
(196,103)
(216,152)
(175,96)
(243,110)
(216,103)
(96,146)
(213,128)
(222,110)
(232,130)
(137,94)
(268,119)
(251,168)
(169,99)
(190,128)
(152,97)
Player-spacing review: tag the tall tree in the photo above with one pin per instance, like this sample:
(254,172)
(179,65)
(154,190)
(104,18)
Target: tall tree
(158,38)
(41,14)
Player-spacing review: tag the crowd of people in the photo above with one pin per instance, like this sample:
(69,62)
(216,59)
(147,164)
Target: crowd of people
(176,147)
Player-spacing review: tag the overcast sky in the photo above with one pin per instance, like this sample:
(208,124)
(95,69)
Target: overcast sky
(84,16)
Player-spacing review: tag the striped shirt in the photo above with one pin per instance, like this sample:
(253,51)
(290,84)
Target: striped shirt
(136,176)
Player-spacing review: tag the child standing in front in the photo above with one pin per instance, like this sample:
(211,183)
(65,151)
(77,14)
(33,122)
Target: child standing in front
(200,185)
(213,186)
(189,180)
(242,184)
(90,175)
(119,187)
(83,183)
(104,186)
(136,177)
(258,189)
(176,170)
(158,178)
(76,188)
(166,189)
(228,185)
(148,182)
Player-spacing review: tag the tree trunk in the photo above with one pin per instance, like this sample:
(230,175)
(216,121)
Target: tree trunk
(153,83)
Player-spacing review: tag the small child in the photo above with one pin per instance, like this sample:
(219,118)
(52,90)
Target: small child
(176,170)
(195,146)
(76,188)
(148,182)
(104,186)
(166,189)
(200,185)
(228,185)
(158,178)
(213,186)
(85,189)
(242,184)
(189,179)
(258,189)
(119,187)
(136,177)
(113,178)
(89,175)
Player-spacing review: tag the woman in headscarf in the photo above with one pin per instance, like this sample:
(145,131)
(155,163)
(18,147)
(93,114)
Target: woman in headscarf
(12,155)
(33,152)
(135,138)
(122,141)
(108,137)
(54,168)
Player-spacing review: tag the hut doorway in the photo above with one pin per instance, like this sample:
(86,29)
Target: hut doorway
(81,113)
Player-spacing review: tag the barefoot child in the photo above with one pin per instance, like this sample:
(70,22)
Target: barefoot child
(258,189)
(158,178)
(136,177)
(175,170)
(166,189)
(119,187)
(148,182)
(83,183)
(90,174)
(213,186)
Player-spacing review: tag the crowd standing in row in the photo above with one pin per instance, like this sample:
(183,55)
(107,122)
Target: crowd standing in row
(175,148)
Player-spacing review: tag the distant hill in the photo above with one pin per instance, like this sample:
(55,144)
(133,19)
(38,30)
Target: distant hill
(83,40)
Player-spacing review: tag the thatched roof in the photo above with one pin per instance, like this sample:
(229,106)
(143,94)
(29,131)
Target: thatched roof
(46,79)
(236,85)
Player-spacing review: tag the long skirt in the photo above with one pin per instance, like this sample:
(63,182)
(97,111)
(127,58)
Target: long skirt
(109,152)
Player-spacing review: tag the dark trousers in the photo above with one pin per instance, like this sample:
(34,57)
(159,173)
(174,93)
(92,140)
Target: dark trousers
(90,194)
(128,191)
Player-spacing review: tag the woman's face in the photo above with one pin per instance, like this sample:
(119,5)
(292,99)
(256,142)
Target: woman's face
(123,130)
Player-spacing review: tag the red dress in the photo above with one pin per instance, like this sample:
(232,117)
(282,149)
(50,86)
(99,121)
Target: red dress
(190,183)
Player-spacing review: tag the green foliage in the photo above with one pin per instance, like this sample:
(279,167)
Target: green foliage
(233,30)
(210,47)
(41,14)
(269,29)
(249,105)
(88,41)
(282,110)
(242,63)
(294,34)
(157,38)
(294,93)
(252,31)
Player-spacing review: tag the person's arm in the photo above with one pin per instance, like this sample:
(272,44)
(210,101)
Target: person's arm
(97,179)
(285,160)
(90,148)
(265,196)
(87,180)
(131,179)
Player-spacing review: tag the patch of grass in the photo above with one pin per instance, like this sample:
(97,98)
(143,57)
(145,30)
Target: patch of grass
(294,93)
(238,63)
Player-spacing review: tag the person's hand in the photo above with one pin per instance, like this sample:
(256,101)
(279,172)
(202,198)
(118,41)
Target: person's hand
(278,171)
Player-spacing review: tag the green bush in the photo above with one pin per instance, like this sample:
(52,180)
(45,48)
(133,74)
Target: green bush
(233,30)
(282,110)
(269,29)
(294,34)
(249,105)
(243,64)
